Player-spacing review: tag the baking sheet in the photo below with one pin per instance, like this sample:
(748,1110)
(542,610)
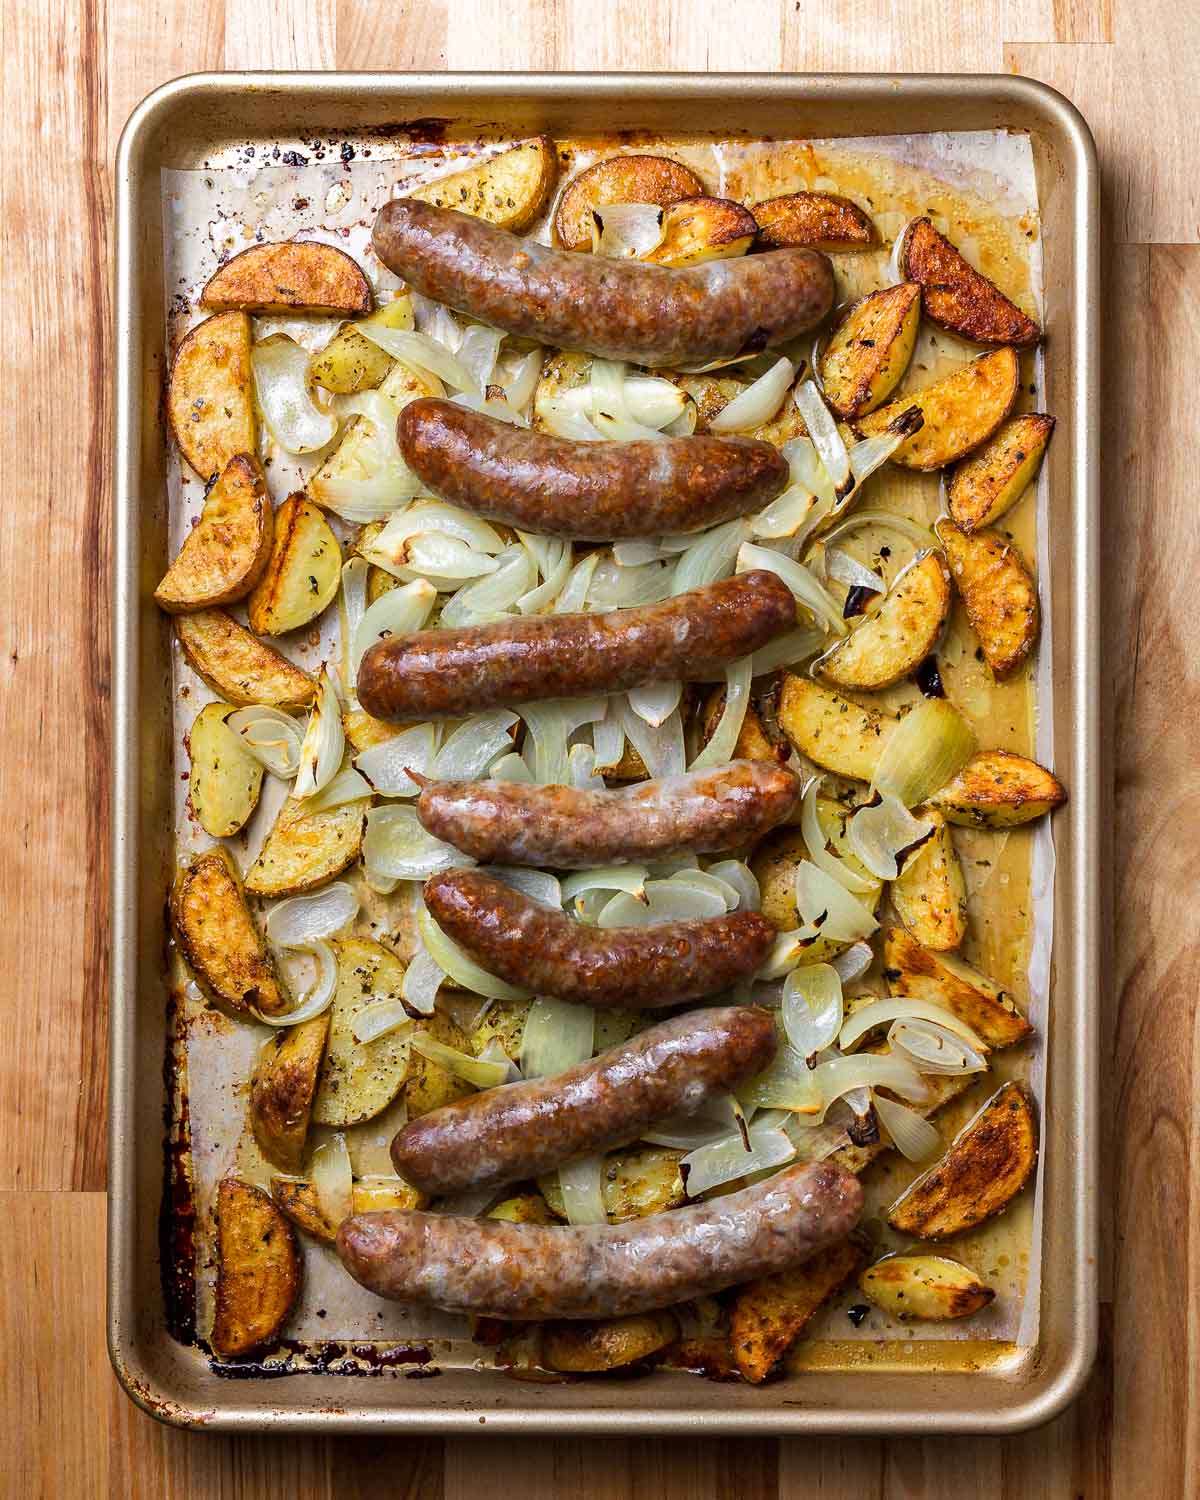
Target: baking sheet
(210,214)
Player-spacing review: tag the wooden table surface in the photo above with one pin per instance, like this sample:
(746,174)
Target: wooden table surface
(72,73)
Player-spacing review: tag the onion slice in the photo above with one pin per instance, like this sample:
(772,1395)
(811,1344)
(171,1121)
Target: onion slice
(319,998)
(812,1008)
(759,402)
(842,1075)
(825,905)
(333,1179)
(397,847)
(912,1135)
(879,832)
(473,1070)
(582,1184)
(556,1037)
(324,741)
(387,764)
(292,417)
(378,1019)
(730,1158)
(928,748)
(812,594)
(816,844)
(724,738)
(271,736)
(459,966)
(303,920)
(627,231)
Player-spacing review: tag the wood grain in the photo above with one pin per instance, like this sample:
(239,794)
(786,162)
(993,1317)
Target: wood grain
(73,69)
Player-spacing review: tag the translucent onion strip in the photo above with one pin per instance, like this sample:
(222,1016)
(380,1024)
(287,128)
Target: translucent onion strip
(401,611)
(723,742)
(387,764)
(627,231)
(928,748)
(881,831)
(758,403)
(556,1037)
(582,1184)
(810,593)
(934,1048)
(728,1159)
(459,966)
(397,847)
(816,842)
(292,417)
(333,1179)
(812,1008)
(842,1075)
(271,736)
(420,352)
(352,605)
(655,701)
(302,920)
(473,745)
(912,1135)
(379,1018)
(825,904)
(319,998)
(473,1070)
(324,741)
(346,786)
(787,1083)
(826,438)
(422,980)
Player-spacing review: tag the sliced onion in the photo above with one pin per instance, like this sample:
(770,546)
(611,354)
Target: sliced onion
(739,876)
(854,962)
(397,847)
(787,1083)
(421,353)
(912,1135)
(352,605)
(302,920)
(536,884)
(812,1008)
(627,231)
(610,406)
(281,388)
(522,383)
(478,352)
(563,419)
(655,701)
(726,1160)
(378,480)
(347,786)
(759,402)
(387,764)
(897,1008)
(459,966)
(319,998)
(473,745)
(581,768)
(808,472)
(646,399)
(787,515)
(848,570)
(550,726)
(392,549)
(473,1070)
(816,844)
(490,597)
(635,554)
(709,882)
(608,740)
(806,588)
(786,952)
(842,1075)
(422,980)
(880,831)
(665,901)
(687,1132)
(863,518)
(401,611)
(556,1037)
(629,878)
(333,1179)
(685,423)
(495,1053)
(928,748)
(825,904)
(661,747)
(724,738)
(573,593)
(826,438)
(271,736)
(324,741)
(511,767)
(711,556)
(934,1048)
(553,558)
(444,561)
(786,651)
(870,453)
(614,587)
(379,1018)
(582,1185)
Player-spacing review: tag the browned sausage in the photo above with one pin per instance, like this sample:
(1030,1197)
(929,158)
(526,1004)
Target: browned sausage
(602,1270)
(536,946)
(592,491)
(619,309)
(570,828)
(449,673)
(517,1131)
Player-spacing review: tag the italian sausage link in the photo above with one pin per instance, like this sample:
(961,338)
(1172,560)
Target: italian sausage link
(569,828)
(638,968)
(523,1271)
(591,491)
(453,672)
(619,309)
(517,1131)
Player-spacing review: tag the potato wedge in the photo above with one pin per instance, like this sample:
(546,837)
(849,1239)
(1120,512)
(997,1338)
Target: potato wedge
(587,1348)
(347,461)
(210,394)
(299,1202)
(701,229)
(226,552)
(870,349)
(360,1079)
(225,779)
(620,179)
(988,1163)
(1001,598)
(822,221)
(237,665)
(897,638)
(955,296)
(767,1316)
(282,1089)
(305,849)
(258,1270)
(525,1208)
(753,741)
(837,734)
(961,411)
(930,894)
(508,190)
(930,1287)
(352,362)
(292,276)
(363,731)
(219,939)
(984,487)
(635,1183)
(429,1084)
(304,573)
(915,969)
(999,789)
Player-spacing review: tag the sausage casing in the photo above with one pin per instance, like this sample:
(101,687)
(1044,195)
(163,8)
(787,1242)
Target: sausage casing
(522,1271)
(638,968)
(618,309)
(453,672)
(571,828)
(590,491)
(519,1130)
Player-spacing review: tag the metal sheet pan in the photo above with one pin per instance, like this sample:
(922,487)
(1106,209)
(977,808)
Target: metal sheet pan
(207,119)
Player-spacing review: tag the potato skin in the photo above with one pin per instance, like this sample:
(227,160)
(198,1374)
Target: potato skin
(225,554)
(237,665)
(299,1202)
(291,276)
(218,937)
(999,789)
(987,485)
(210,401)
(1001,598)
(619,179)
(921,972)
(893,642)
(258,1270)
(768,1316)
(955,296)
(822,221)
(508,190)
(282,1089)
(753,741)
(961,411)
(870,349)
(929,1287)
(587,1348)
(304,572)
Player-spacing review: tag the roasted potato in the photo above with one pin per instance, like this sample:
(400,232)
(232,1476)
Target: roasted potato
(635,1183)
(346,461)
(295,276)
(305,849)
(620,179)
(753,741)
(955,296)
(225,779)
(893,641)
(372,1194)
(1000,597)
(767,1316)
(210,395)
(282,1089)
(929,1287)
(503,1023)
(999,789)
(984,487)
(713,393)
(587,1348)
(701,229)
(961,411)
(988,1163)
(870,349)
(304,573)
(237,665)
(508,190)
(916,970)
(837,734)
(258,1270)
(429,1084)
(299,1201)
(774,867)
(943,1088)
(525,1208)
(218,938)
(362,731)
(226,552)
(360,1079)
(822,221)
(350,361)
(929,894)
